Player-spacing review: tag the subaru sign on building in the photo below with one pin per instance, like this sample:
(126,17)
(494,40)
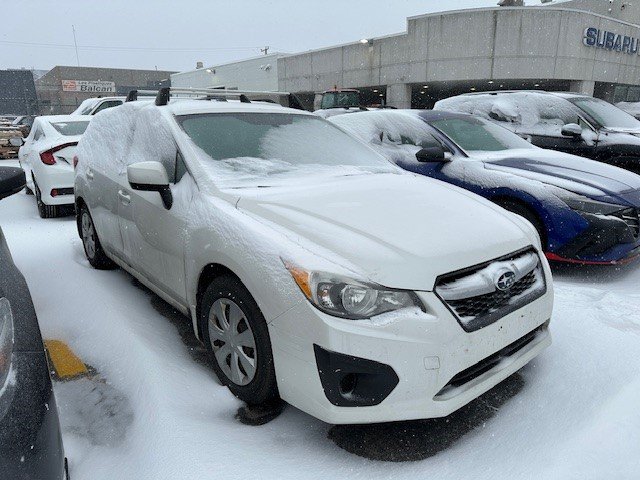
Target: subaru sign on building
(586,46)
(594,37)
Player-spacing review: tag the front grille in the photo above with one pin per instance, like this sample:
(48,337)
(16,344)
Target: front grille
(484,304)
(631,217)
(476,296)
(491,361)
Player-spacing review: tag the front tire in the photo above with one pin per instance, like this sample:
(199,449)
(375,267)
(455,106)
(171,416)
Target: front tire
(90,241)
(236,333)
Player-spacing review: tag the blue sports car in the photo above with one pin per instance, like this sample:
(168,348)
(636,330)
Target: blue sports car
(585,211)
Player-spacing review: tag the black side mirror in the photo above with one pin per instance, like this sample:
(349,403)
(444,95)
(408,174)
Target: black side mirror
(571,130)
(12,180)
(434,153)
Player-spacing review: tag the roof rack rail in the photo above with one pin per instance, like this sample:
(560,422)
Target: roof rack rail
(133,95)
(164,95)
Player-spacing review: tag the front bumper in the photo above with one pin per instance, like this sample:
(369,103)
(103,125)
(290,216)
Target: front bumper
(424,350)
(606,241)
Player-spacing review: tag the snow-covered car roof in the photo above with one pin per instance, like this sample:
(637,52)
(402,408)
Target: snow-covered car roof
(64,118)
(535,92)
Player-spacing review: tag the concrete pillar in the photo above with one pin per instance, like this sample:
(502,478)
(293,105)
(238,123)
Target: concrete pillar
(582,86)
(399,95)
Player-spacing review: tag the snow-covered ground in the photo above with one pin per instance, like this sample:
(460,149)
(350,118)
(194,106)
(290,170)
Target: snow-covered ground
(572,413)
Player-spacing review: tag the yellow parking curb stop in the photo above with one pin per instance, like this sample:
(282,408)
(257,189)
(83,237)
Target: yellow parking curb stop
(66,364)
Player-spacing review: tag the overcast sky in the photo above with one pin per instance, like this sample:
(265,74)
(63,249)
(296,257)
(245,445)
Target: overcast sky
(173,35)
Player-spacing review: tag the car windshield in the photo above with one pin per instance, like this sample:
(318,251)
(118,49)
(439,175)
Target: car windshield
(474,134)
(86,106)
(69,129)
(246,149)
(607,115)
(340,99)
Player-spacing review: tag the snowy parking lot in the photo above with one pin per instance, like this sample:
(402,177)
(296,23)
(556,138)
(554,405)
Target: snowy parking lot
(154,411)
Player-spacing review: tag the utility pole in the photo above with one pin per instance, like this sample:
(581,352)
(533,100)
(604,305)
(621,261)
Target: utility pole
(265,50)
(75,43)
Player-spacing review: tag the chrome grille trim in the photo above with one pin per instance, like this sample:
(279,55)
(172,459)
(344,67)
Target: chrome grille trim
(474,298)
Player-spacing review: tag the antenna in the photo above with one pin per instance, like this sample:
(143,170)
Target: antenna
(75,43)
(265,50)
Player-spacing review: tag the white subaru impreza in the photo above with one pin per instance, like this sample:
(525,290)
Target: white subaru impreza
(313,269)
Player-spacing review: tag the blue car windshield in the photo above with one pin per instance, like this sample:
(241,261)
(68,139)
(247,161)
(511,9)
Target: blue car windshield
(474,134)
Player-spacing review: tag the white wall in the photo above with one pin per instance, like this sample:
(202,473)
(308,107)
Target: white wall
(260,73)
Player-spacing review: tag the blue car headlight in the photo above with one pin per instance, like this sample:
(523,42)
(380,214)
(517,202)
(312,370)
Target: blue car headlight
(6,340)
(580,203)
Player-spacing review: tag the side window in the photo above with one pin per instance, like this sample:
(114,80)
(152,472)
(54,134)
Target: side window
(181,168)
(583,124)
(107,104)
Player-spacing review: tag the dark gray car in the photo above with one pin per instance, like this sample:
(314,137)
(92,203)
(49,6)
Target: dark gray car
(30,439)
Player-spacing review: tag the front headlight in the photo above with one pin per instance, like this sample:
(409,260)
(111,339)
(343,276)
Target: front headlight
(6,339)
(580,203)
(346,297)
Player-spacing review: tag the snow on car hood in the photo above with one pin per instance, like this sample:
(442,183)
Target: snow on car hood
(401,231)
(570,172)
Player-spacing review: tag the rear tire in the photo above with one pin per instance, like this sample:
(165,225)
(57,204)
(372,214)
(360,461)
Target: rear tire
(44,210)
(90,241)
(527,214)
(236,333)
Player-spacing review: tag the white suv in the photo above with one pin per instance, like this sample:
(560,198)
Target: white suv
(91,106)
(312,269)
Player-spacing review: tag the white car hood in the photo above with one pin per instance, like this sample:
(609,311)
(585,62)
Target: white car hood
(400,230)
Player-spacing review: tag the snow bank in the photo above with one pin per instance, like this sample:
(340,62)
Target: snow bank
(576,416)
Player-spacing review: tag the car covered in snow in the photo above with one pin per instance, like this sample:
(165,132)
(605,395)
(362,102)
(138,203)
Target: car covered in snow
(584,211)
(30,440)
(46,156)
(94,105)
(314,270)
(568,122)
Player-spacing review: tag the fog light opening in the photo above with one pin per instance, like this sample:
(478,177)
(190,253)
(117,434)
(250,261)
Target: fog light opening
(348,384)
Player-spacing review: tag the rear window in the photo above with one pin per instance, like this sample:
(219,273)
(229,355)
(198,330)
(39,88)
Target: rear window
(69,129)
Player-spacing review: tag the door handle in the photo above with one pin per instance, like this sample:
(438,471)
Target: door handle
(124,198)
(90,174)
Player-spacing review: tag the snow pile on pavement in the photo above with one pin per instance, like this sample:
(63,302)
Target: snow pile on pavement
(572,414)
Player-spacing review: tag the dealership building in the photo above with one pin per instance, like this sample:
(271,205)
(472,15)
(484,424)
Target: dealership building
(589,46)
(62,89)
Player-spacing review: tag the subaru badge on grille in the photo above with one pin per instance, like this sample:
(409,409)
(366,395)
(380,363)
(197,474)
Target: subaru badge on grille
(506,280)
